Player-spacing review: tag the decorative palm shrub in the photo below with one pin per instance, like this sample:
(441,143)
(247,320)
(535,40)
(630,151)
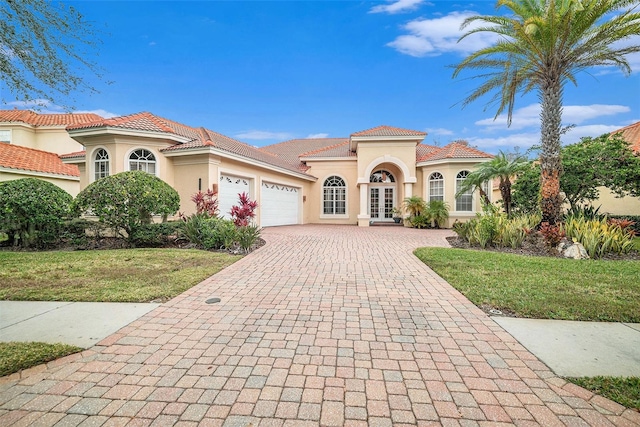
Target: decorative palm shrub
(438,211)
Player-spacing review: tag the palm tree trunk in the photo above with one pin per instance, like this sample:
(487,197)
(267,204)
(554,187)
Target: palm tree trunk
(550,164)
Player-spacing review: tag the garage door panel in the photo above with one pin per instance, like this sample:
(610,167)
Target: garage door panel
(280,204)
(228,190)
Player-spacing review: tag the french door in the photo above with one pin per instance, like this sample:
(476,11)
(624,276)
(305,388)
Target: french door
(381,203)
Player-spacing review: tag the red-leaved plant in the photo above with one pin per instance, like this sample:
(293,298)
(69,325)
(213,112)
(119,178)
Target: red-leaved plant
(242,213)
(206,203)
(625,225)
(552,234)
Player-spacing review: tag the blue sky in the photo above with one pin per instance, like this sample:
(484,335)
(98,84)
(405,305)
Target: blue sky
(268,71)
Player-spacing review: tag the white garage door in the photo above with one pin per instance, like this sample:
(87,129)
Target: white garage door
(280,205)
(230,187)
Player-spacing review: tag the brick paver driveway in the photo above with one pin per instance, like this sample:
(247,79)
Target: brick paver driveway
(325,326)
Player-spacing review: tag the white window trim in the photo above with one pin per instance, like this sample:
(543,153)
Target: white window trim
(155,154)
(92,161)
(455,201)
(345,215)
(444,186)
(10,136)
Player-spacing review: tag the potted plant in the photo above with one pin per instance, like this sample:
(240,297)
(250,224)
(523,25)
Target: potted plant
(397,215)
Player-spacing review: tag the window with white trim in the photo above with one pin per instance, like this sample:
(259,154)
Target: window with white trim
(487,187)
(142,160)
(5,136)
(436,186)
(464,202)
(334,196)
(101,164)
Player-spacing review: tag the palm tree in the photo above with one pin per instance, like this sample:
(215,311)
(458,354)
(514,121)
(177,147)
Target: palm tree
(542,45)
(504,167)
(415,205)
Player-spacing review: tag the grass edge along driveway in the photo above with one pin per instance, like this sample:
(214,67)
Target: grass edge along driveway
(541,287)
(121,275)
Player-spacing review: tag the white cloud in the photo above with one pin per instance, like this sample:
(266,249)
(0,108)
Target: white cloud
(522,140)
(103,113)
(397,6)
(317,135)
(263,134)
(44,106)
(439,131)
(529,116)
(432,37)
(152,43)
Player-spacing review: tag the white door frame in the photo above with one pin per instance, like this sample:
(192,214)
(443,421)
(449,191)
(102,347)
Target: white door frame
(382,209)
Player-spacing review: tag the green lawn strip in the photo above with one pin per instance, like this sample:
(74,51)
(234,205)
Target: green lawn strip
(123,275)
(541,287)
(15,356)
(636,243)
(625,391)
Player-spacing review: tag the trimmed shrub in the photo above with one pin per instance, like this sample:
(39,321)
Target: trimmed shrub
(32,212)
(128,200)
(156,235)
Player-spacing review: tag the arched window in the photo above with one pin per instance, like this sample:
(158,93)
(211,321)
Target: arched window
(101,164)
(436,186)
(381,175)
(142,160)
(464,200)
(334,196)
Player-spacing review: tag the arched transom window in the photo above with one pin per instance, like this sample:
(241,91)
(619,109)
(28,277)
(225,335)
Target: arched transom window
(436,186)
(334,196)
(382,175)
(464,200)
(101,164)
(142,160)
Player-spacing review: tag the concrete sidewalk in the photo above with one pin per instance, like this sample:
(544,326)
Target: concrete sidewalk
(82,324)
(570,349)
(580,349)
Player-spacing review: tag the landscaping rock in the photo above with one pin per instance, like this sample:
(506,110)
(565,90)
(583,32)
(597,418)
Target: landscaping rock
(572,250)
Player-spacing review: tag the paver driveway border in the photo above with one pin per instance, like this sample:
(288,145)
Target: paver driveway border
(323,326)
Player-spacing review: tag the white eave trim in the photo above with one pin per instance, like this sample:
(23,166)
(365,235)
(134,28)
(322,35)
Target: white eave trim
(354,140)
(453,160)
(108,130)
(226,154)
(41,174)
(74,160)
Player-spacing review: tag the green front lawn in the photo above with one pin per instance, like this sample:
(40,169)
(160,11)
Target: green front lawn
(15,356)
(539,287)
(123,275)
(625,391)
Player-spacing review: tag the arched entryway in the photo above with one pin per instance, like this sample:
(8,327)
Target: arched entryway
(383,194)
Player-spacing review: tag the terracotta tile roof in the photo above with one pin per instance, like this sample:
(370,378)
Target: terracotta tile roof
(37,119)
(290,151)
(423,150)
(389,131)
(341,149)
(23,158)
(631,134)
(454,150)
(74,155)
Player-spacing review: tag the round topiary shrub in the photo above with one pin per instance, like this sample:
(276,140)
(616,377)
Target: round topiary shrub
(32,212)
(128,200)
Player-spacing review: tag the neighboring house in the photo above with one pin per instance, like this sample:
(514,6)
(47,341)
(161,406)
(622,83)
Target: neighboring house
(354,180)
(608,200)
(21,162)
(30,144)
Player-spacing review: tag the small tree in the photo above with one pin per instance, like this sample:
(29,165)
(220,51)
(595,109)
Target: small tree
(504,167)
(127,200)
(32,211)
(244,211)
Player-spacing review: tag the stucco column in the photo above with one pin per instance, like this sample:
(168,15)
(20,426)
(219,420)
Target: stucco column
(408,189)
(363,216)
